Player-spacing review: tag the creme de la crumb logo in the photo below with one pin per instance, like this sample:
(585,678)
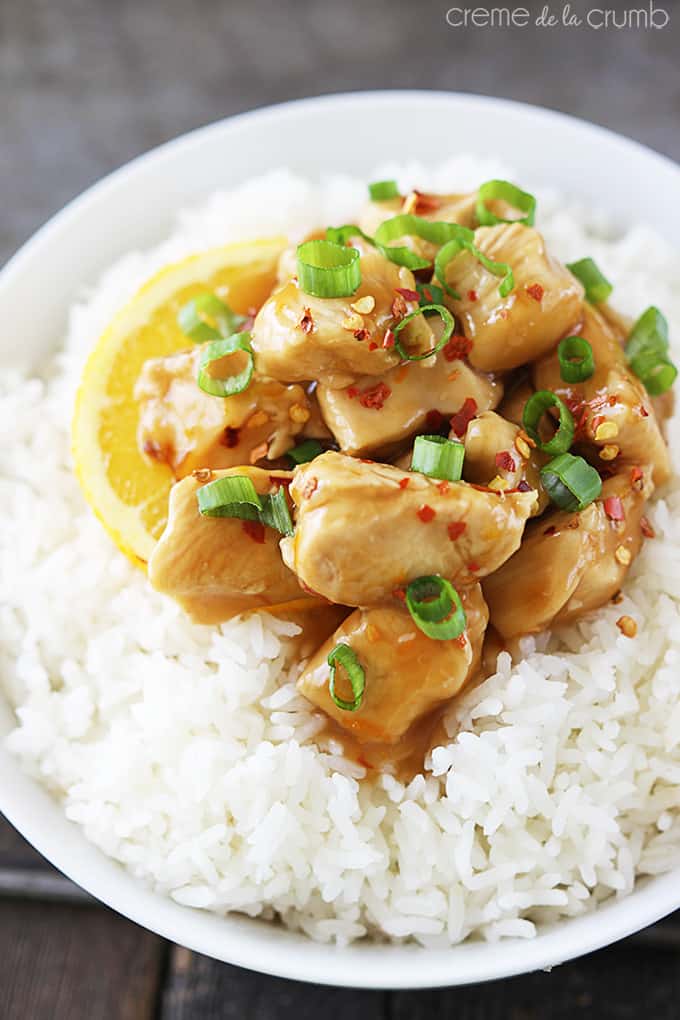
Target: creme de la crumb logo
(648,18)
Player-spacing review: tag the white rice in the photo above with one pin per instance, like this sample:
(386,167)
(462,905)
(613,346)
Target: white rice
(184,752)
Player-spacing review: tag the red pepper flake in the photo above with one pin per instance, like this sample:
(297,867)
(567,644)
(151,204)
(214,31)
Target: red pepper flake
(366,460)
(457,348)
(613,507)
(535,291)
(456,529)
(524,486)
(434,420)
(473,295)
(426,203)
(229,438)
(612,400)
(636,476)
(310,488)
(644,413)
(352,392)
(461,640)
(551,530)
(399,308)
(254,530)
(373,346)
(473,567)
(426,513)
(427,294)
(307,322)
(361,334)
(403,484)
(646,528)
(375,397)
(505,461)
(407,294)
(389,339)
(399,593)
(461,419)
(443,487)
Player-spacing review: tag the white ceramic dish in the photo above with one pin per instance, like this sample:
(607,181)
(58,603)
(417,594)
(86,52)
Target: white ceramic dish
(132,208)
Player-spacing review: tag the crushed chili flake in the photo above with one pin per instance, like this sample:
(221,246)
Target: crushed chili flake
(434,420)
(399,308)
(505,461)
(375,397)
(427,293)
(373,346)
(389,339)
(361,334)
(523,486)
(461,640)
(352,392)
(366,460)
(613,507)
(644,413)
(443,487)
(407,293)
(426,203)
(457,348)
(307,322)
(254,530)
(636,477)
(646,528)
(535,291)
(426,513)
(403,484)
(462,418)
(551,530)
(456,529)
(473,567)
(399,593)
(310,488)
(473,295)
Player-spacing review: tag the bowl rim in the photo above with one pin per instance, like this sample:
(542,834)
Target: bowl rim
(252,943)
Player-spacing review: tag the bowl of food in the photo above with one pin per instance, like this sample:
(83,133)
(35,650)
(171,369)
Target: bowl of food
(340,540)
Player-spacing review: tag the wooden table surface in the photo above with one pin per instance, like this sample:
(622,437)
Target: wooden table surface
(84,86)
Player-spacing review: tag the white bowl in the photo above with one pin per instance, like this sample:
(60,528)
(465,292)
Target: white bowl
(134,207)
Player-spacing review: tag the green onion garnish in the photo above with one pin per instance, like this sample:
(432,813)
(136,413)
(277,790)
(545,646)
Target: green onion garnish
(236,496)
(347,658)
(408,225)
(305,451)
(328,270)
(647,352)
(509,193)
(452,248)
(341,235)
(576,359)
(436,608)
(597,287)
(205,317)
(571,482)
(443,340)
(232,496)
(534,409)
(220,349)
(438,457)
(275,513)
(381,191)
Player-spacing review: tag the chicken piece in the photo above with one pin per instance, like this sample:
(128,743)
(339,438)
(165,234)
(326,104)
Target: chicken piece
(364,529)
(570,563)
(450,208)
(612,409)
(497,452)
(370,417)
(218,567)
(297,337)
(187,428)
(544,304)
(407,673)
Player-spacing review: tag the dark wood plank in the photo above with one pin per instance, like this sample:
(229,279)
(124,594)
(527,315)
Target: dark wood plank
(15,851)
(69,963)
(622,983)
(201,989)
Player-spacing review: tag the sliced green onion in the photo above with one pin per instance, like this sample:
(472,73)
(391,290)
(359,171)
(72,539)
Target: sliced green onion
(408,225)
(449,251)
(231,496)
(436,607)
(381,191)
(571,482)
(438,457)
(328,270)
(597,286)
(509,193)
(534,409)
(305,451)
(345,233)
(443,340)
(205,317)
(347,658)
(647,352)
(275,513)
(576,359)
(220,349)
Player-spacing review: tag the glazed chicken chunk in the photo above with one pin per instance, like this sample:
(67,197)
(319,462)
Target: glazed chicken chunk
(544,304)
(407,674)
(366,530)
(498,452)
